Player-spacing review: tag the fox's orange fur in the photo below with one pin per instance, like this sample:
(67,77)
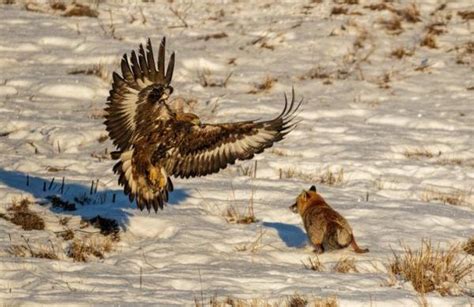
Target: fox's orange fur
(326,229)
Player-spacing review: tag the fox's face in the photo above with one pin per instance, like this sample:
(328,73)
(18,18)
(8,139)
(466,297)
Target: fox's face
(303,200)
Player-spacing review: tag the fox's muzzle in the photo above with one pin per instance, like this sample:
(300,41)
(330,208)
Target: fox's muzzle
(293,208)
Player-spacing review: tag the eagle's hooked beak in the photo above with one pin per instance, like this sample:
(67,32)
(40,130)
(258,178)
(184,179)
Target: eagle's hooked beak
(167,91)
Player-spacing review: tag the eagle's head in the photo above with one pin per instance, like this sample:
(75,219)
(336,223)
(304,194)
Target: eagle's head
(159,94)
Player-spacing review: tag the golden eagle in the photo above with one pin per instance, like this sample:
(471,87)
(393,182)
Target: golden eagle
(154,141)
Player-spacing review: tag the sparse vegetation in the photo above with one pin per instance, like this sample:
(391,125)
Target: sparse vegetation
(60,8)
(107,227)
(206,80)
(431,268)
(401,52)
(314,264)
(429,40)
(266,85)
(20,214)
(393,25)
(100,70)
(419,153)
(295,300)
(469,246)
(345,265)
(58,203)
(452,197)
(82,249)
(326,177)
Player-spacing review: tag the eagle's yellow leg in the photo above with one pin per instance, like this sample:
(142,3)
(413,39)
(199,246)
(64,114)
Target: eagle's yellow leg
(156,177)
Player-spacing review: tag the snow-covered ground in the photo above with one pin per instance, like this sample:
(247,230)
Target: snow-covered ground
(399,132)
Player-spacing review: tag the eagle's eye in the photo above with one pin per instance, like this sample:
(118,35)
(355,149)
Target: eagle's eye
(160,94)
(155,95)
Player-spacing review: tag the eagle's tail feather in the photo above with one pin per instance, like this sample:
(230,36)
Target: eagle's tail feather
(150,190)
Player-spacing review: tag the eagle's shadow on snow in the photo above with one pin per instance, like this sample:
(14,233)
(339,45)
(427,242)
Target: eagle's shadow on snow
(292,235)
(93,204)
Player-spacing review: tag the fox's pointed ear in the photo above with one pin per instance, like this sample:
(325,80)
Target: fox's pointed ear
(307,195)
(313,188)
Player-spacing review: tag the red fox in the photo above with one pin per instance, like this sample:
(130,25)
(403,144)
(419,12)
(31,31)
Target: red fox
(326,229)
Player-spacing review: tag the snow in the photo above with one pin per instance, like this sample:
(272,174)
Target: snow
(51,126)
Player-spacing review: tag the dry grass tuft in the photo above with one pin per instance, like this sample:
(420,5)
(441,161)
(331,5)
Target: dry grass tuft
(81,250)
(62,9)
(436,28)
(26,250)
(99,70)
(339,10)
(431,269)
(419,153)
(429,40)
(80,10)
(20,214)
(466,15)
(206,80)
(252,246)
(393,25)
(468,247)
(234,216)
(265,86)
(317,72)
(294,300)
(454,197)
(345,265)
(410,13)
(327,177)
(313,263)
(207,37)
(58,203)
(107,227)
(400,53)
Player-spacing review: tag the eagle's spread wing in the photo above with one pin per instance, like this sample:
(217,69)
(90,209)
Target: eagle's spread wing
(124,97)
(209,148)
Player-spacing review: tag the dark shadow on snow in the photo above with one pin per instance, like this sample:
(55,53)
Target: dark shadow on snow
(97,203)
(292,235)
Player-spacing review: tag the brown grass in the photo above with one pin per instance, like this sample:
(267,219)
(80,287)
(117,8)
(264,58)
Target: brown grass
(393,25)
(295,300)
(107,227)
(466,15)
(345,265)
(327,177)
(431,268)
(313,263)
(339,10)
(317,72)
(419,153)
(26,250)
(429,40)
(468,247)
(265,86)
(410,13)
(207,37)
(206,80)
(400,53)
(20,214)
(80,10)
(81,250)
(454,197)
(99,70)
(234,216)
